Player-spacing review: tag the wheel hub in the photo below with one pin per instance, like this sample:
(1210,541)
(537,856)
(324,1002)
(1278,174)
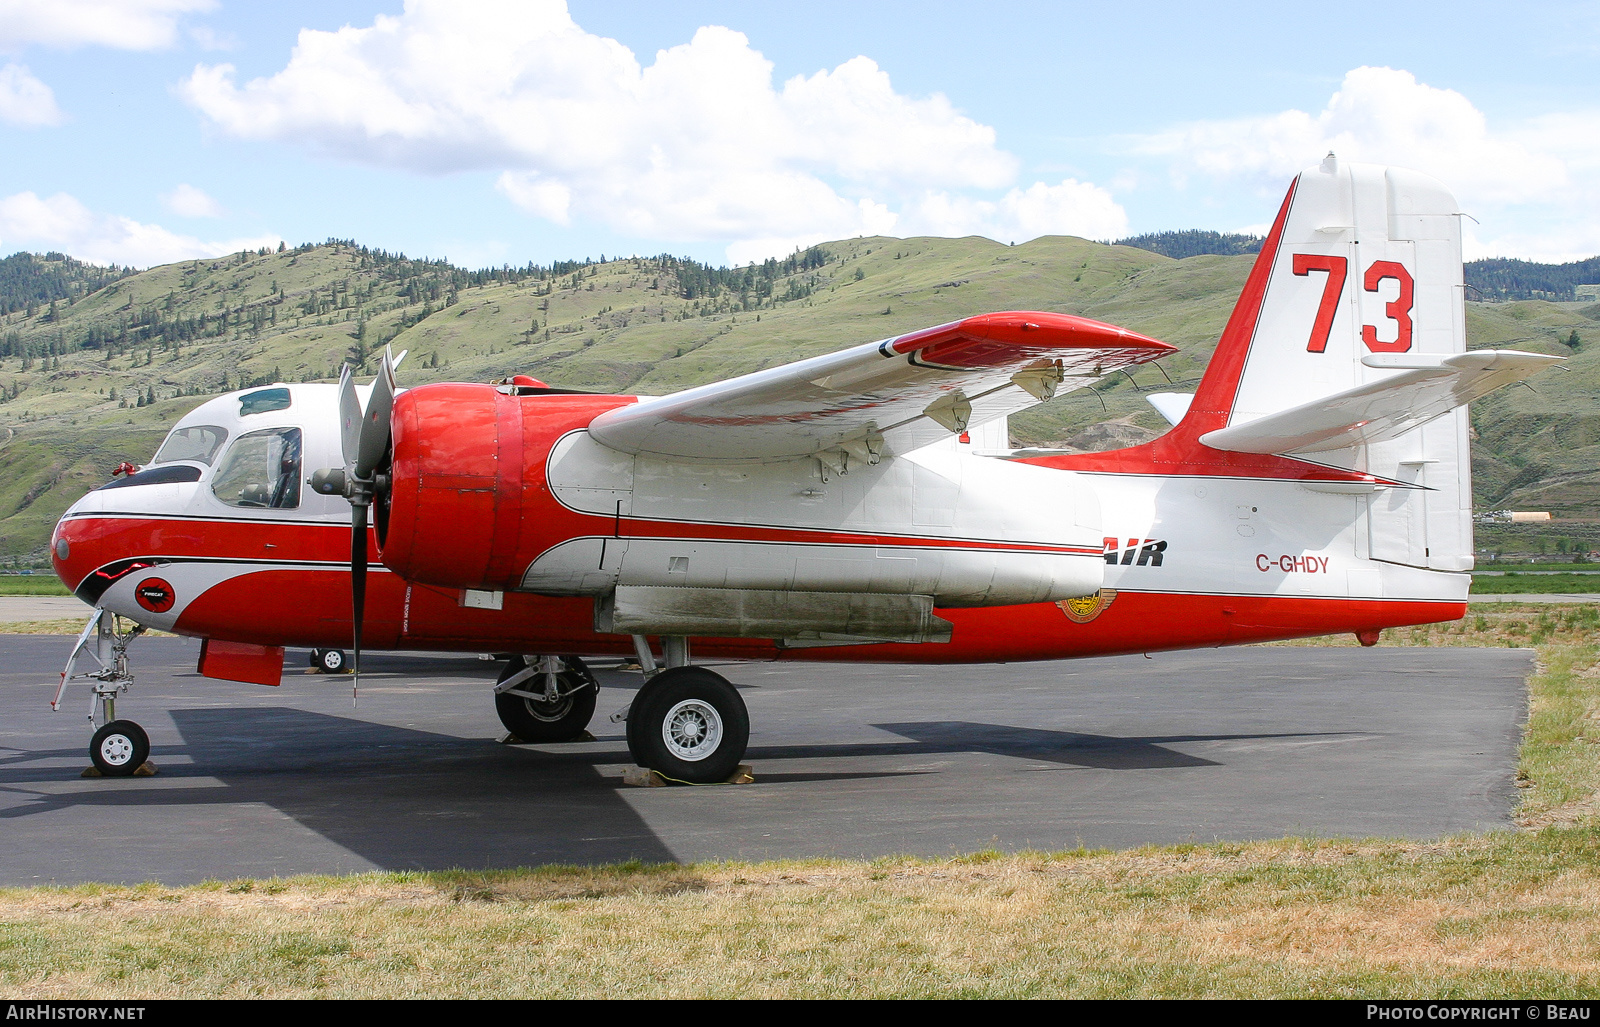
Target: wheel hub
(116,749)
(692,730)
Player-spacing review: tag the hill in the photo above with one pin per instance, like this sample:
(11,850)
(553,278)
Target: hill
(102,377)
(1194,242)
(1508,279)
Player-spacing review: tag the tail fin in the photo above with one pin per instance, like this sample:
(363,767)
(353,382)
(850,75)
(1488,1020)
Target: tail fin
(1346,349)
(1342,364)
(1363,261)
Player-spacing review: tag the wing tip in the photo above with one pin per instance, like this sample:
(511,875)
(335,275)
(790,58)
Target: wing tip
(1039,329)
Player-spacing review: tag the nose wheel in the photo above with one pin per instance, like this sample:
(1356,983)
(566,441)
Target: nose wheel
(329,661)
(689,724)
(119,748)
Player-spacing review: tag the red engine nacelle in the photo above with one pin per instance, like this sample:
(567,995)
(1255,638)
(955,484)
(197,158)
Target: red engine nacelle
(469,503)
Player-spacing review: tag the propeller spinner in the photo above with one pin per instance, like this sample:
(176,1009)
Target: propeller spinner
(364,437)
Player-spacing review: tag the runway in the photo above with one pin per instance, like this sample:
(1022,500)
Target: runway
(854,761)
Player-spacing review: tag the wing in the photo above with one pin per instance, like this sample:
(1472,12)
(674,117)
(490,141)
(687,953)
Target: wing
(1426,387)
(884,397)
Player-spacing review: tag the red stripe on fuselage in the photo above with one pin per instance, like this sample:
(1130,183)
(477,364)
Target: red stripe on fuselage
(139,535)
(310,608)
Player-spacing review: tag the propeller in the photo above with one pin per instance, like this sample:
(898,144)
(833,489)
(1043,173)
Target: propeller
(364,438)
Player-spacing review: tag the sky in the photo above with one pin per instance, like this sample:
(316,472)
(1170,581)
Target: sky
(488,132)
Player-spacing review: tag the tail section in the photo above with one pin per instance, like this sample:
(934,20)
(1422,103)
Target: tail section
(1344,366)
(1352,355)
(1364,261)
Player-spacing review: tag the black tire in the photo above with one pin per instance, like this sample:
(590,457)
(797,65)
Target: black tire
(679,707)
(119,748)
(534,721)
(330,661)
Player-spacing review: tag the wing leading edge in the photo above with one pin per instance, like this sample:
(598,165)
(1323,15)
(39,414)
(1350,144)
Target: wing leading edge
(883,397)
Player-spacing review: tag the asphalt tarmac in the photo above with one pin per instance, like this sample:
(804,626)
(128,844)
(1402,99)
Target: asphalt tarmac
(849,760)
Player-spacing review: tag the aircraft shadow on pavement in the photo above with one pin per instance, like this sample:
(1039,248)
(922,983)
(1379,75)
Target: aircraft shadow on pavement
(408,799)
(1069,748)
(401,798)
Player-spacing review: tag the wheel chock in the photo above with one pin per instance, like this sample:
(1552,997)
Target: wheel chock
(510,739)
(145,769)
(642,777)
(743,774)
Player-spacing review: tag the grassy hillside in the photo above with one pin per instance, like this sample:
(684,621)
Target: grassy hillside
(99,378)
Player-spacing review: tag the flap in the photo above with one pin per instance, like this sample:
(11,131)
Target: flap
(884,397)
(1424,388)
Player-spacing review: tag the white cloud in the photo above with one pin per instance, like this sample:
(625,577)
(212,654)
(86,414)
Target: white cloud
(208,38)
(1071,208)
(120,24)
(700,144)
(1380,115)
(187,201)
(61,222)
(1535,186)
(24,100)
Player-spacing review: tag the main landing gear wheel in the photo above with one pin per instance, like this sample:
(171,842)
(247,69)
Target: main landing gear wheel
(329,661)
(689,724)
(119,748)
(535,720)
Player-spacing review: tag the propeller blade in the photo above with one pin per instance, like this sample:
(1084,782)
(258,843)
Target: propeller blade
(358,587)
(374,438)
(349,417)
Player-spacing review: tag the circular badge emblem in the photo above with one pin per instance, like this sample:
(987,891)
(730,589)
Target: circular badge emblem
(154,594)
(1084,609)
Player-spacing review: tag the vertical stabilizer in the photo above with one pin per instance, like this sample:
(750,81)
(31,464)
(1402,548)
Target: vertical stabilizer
(1361,276)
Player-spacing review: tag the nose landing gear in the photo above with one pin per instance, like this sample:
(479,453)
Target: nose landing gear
(119,748)
(329,661)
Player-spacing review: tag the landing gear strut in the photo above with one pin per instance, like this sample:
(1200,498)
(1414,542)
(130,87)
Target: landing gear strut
(119,747)
(686,723)
(545,698)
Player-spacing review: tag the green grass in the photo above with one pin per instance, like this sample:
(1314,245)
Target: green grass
(1512,583)
(32,585)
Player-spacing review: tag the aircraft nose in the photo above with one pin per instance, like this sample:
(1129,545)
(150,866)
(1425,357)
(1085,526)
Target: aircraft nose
(75,549)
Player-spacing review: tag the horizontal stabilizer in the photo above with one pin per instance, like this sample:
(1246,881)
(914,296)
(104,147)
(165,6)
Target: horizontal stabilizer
(1425,387)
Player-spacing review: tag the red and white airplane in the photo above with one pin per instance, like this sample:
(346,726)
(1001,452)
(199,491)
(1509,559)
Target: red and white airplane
(834,508)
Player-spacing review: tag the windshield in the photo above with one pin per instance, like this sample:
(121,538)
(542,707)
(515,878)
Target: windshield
(262,469)
(198,443)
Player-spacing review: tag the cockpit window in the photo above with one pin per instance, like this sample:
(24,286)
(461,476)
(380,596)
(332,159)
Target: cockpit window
(198,442)
(265,401)
(262,470)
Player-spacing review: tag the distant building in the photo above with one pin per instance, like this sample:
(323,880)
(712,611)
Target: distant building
(1513,517)
(1586,292)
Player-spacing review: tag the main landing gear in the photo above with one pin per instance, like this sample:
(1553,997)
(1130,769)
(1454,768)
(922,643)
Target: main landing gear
(119,748)
(686,723)
(545,698)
